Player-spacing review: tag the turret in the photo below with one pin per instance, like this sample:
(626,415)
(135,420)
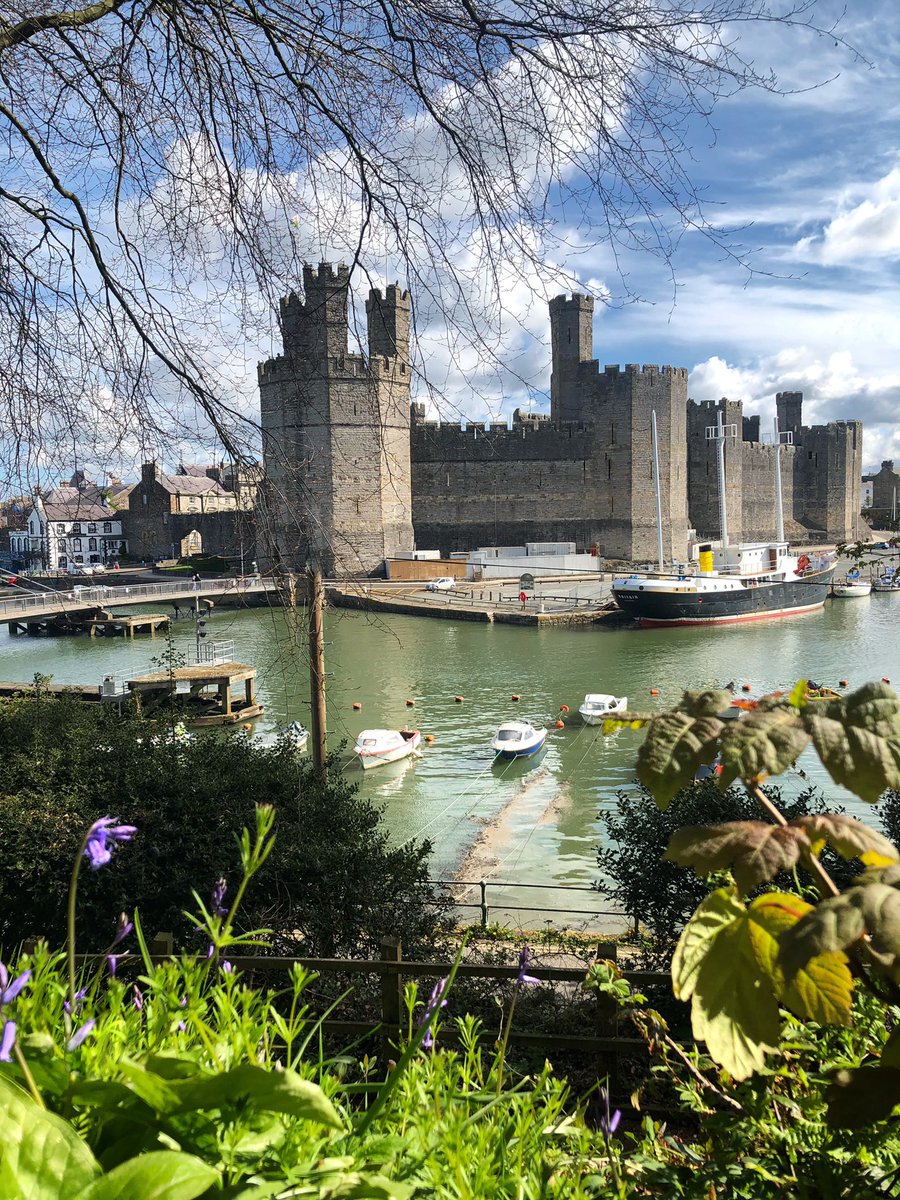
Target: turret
(388,320)
(571,341)
(315,328)
(789,407)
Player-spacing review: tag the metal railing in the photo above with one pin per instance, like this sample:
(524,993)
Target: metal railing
(81,596)
(216,653)
(479,889)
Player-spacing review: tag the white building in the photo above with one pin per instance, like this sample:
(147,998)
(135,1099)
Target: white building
(70,525)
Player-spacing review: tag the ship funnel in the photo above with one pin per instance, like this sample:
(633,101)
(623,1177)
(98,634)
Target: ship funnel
(706,559)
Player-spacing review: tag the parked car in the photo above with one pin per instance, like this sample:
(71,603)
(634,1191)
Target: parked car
(99,569)
(80,569)
(444,584)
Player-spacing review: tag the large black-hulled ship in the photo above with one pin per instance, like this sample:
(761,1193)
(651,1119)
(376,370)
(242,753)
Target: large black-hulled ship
(749,582)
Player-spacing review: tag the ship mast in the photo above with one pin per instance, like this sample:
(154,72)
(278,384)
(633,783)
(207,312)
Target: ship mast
(781,439)
(718,433)
(659,533)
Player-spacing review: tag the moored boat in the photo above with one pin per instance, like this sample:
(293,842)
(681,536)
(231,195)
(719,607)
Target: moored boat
(518,739)
(850,587)
(888,582)
(597,706)
(377,746)
(297,736)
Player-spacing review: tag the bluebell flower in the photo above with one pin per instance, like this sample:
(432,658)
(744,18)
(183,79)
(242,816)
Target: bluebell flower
(9,990)
(608,1123)
(80,1034)
(103,837)
(227,967)
(79,996)
(524,963)
(123,928)
(7,1041)
(218,895)
(435,1001)
(112,961)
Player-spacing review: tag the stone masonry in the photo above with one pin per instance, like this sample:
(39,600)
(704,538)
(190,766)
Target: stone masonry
(353,475)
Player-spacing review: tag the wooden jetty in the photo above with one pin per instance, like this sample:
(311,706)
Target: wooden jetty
(81,691)
(206,690)
(96,622)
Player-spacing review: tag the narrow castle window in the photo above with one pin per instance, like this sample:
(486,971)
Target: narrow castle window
(569,334)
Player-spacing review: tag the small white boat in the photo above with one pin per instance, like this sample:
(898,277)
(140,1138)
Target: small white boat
(518,739)
(597,706)
(850,587)
(297,736)
(888,582)
(374,747)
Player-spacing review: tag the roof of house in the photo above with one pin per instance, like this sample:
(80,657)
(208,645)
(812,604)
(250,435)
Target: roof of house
(79,509)
(191,485)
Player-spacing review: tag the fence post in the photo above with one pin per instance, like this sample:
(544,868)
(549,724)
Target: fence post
(484,907)
(391,996)
(162,945)
(607,1019)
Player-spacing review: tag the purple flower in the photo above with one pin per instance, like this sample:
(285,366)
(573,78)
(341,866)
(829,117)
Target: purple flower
(226,966)
(79,996)
(7,1041)
(9,991)
(103,837)
(182,1003)
(218,896)
(608,1124)
(436,1001)
(123,928)
(181,1027)
(137,998)
(112,961)
(524,963)
(80,1034)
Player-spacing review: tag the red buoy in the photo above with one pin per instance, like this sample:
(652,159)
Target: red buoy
(559,725)
(564,708)
(410,703)
(514,696)
(654,691)
(356,706)
(745,687)
(458,699)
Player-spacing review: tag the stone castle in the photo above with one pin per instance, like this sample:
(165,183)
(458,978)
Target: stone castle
(355,474)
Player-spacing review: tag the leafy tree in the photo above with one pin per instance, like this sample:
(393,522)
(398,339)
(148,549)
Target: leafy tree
(332,885)
(659,893)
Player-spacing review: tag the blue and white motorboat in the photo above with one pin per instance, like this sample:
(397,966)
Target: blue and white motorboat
(518,739)
(597,706)
(296,735)
(889,581)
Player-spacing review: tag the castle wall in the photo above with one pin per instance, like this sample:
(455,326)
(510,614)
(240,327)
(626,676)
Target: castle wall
(830,460)
(703,478)
(758,508)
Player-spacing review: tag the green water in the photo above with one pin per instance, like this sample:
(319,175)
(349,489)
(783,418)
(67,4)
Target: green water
(537,818)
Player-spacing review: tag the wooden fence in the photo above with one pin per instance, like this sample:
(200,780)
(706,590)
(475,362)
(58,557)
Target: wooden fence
(392,969)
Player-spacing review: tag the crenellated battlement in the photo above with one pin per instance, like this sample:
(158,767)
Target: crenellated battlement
(577,302)
(614,369)
(325,275)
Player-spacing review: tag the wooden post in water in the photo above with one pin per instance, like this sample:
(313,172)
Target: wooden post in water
(317,671)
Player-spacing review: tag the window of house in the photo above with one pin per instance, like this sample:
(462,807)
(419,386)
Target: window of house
(92,528)
(76,544)
(107,526)
(76,528)
(92,543)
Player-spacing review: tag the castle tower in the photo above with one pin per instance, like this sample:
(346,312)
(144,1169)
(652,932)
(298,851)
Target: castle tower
(336,430)
(789,409)
(572,343)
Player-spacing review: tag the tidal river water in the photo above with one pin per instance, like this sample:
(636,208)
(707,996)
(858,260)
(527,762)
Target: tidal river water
(527,823)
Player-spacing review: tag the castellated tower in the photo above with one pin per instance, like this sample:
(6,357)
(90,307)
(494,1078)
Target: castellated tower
(572,344)
(336,429)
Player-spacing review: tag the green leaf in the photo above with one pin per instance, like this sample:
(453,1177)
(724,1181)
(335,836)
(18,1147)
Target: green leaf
(734,1009)
(890,1051)
(41,1155)
(798,696)
(764,742)
(857,1098)
(851,839)
(714,913)
(677,743)
(820,991)
(271,1091)
(357,1186)
(834,924)
(858,739)
(754,851)
(157,1175)
(149,1087)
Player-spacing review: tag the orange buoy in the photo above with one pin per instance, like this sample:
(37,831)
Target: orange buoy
(246,725)
(429,738)
(559,725)
(654,691)
(458,699)
(564,708)
(356,706)
(884,679)
(745,687)
(410,703)
(843,683)
(514,696)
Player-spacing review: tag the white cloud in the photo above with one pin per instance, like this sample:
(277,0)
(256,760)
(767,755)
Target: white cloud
(867,228)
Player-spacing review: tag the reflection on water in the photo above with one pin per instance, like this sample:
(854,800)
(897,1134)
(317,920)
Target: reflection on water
(543,810)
